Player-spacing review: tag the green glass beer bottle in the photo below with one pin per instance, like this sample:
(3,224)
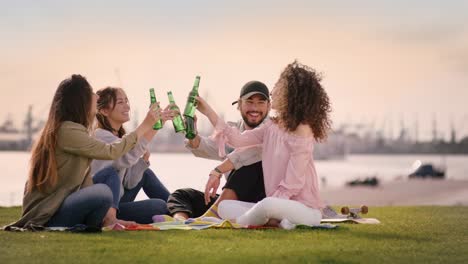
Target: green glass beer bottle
(177,121)
(189,112)
(158,125)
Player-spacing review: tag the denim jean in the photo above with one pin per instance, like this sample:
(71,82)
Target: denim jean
(151,185)
(129,209)
(86,206)
(110,177)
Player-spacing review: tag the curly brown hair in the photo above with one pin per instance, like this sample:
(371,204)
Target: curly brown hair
(303,100)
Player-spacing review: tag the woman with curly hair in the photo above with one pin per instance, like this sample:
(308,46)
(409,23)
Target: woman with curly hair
(291,182)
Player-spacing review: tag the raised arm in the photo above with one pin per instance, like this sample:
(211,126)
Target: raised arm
(127,160)
(225,134)
(75,139)
(166,114)
(205,148)
(241,157)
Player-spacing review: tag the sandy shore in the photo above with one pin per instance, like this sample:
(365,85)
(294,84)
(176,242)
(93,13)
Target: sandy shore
(411,192)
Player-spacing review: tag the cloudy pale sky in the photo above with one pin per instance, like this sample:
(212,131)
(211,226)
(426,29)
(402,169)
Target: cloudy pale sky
(383,62)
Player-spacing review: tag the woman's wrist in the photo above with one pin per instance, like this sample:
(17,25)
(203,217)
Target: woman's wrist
(216,172)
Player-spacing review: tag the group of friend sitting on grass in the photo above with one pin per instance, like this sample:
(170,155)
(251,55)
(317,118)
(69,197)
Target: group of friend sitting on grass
(85,174)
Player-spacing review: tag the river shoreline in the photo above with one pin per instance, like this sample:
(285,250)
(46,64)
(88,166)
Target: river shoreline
(401,193)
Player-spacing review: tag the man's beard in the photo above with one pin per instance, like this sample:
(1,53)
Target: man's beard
(251,124)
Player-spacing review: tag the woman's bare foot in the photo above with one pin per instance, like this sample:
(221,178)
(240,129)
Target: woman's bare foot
(181,216)
(273,223)
(111,219)
(126,223)
(108,222)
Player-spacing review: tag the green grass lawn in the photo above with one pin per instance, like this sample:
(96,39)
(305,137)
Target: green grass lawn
(406,235)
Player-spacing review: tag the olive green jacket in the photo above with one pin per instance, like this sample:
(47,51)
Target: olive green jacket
(74,152)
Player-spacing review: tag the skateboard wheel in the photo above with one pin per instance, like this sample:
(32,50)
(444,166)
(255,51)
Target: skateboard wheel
(364,209)
(345,210)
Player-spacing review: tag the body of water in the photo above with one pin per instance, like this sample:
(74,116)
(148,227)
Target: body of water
(184,170)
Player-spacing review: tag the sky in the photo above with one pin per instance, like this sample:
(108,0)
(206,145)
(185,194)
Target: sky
(384,63)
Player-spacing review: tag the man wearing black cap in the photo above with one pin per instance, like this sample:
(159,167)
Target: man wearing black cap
(245,183)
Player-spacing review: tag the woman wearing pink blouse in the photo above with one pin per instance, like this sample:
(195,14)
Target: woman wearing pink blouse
(291,182)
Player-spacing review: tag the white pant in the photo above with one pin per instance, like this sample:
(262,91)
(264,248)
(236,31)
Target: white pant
(269,208)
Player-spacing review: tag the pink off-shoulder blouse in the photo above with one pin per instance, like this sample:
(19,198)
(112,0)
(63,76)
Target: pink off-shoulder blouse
(287,160)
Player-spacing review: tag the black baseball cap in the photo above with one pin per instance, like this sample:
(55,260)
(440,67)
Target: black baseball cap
(252,88)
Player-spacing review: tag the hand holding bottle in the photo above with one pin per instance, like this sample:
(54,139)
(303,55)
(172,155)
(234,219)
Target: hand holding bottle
(189,111)
(164,115)
(152,116)
(177,121)
(168,113)
(202,106)
(195,142)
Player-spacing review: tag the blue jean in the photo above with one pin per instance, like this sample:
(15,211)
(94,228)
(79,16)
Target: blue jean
(151,185)
(110,177)
(139,211)
(86,206)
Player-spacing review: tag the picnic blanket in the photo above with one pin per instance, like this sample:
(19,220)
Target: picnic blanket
(169,223)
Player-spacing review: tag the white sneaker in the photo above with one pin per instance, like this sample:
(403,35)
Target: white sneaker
(285,224)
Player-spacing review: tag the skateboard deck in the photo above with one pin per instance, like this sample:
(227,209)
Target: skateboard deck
(352,220)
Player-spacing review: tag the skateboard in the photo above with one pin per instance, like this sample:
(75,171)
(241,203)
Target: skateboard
(354,212)
(349,215)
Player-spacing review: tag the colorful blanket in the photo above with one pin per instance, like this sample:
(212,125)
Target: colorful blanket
(165,223)
(168,223)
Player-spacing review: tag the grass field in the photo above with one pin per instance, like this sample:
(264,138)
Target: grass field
(406,235)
